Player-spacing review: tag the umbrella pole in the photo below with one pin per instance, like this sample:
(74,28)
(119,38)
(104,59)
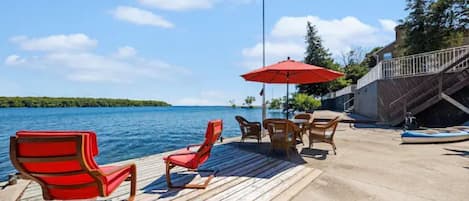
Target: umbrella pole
(287,105)
(264,109)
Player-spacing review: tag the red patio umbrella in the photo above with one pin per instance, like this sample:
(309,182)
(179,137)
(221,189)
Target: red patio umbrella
(291,72)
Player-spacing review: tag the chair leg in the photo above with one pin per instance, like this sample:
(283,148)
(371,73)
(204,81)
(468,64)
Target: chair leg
(133,182)
(168,174)
(333,146)
(192,186)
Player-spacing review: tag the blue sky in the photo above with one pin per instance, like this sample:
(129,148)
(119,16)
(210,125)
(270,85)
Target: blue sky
(185,52)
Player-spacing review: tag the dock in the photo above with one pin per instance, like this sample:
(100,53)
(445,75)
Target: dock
(242,175)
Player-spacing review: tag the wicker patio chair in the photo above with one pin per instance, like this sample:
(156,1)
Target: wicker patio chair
(282,133)
(62,163)
(306,116)
(249,129)
(324,132)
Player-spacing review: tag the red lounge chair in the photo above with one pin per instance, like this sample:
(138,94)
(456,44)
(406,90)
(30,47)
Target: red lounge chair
(192,160)
(62,163)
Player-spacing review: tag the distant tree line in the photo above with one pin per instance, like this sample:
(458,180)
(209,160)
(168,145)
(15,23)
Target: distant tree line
(6,102)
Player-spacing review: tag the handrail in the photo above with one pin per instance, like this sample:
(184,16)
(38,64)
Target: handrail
(346,90)
(423,63)
(432,52)
(348,101)
(417,64)
(445,69)
(374,74)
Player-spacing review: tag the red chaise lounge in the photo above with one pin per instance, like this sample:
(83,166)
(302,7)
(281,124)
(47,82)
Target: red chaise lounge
(62,163)
(192,160)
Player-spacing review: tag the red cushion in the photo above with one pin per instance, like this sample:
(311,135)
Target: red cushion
(74,194)
(193,160)
(114,180)
(59,148)
(90,149)
(187,160)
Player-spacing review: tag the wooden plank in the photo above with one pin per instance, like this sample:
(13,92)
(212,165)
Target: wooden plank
(11,193)
(247,180)
(162,183)
(215,181)
(298,187)
(260,187)
(141,183)
(232,181)
(278,186)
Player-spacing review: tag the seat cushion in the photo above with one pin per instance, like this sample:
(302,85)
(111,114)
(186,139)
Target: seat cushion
(187,160)
(74,194)
(114,180)
(328,134)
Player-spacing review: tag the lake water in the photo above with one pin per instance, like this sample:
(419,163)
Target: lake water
(126,132)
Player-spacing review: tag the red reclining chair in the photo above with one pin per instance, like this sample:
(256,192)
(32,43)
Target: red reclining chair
(62,163)
(192,160)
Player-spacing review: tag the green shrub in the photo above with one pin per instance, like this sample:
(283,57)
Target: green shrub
(303,102)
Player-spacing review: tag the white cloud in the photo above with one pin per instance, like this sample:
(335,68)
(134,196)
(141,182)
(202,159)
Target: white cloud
(388,25)
(205,98)
(61,42)
(140,17)
(275,51)
(14,60)
(125,52)
(338,35)
(124,66)
(178,5)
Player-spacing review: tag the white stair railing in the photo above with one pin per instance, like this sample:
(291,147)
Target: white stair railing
(424,63)
(415,65)
(346,90)
(374,74)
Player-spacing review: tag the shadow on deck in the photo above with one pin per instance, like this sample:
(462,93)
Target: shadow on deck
(244,169)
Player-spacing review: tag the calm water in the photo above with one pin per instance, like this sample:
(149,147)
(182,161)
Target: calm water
(123,133)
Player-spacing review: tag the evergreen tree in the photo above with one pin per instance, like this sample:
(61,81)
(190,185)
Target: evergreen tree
(435,24)
(416,39)
(317,55)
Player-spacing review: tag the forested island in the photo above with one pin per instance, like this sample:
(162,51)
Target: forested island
(6,102)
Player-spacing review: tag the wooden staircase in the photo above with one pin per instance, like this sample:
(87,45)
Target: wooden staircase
(431,90)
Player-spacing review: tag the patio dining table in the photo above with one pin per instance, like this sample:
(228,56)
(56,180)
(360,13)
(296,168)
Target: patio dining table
(301,123)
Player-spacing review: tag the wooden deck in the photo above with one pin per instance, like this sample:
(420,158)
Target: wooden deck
(242,175)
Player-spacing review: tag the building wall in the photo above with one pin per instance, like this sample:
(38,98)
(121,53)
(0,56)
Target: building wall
(337,103)
(366,101)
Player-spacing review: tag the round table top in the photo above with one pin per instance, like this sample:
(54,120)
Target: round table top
(299,121)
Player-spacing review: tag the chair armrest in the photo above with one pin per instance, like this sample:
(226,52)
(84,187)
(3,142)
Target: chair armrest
(193,145)
(180,154)
(321,125)
(254,124)
(117,169)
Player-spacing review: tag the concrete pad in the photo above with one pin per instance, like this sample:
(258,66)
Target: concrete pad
(372,164)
